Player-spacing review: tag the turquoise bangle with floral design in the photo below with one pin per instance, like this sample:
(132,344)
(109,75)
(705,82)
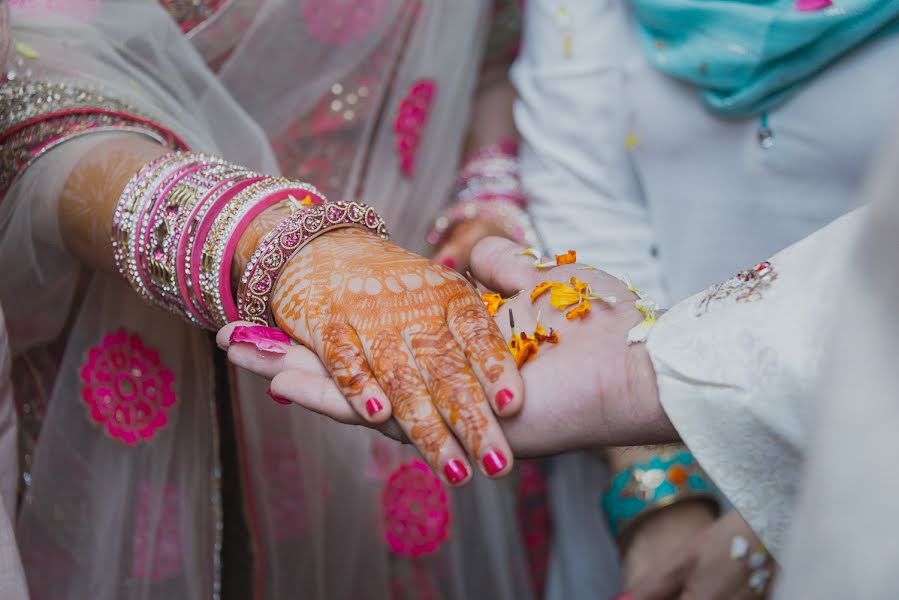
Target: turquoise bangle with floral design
(644,488)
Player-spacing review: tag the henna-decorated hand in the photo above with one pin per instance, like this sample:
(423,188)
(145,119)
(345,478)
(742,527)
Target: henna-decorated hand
(402,335)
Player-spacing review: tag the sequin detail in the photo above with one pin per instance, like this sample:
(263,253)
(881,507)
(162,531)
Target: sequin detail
(39,115)
(341,22)
(411,118)
(157,539)
(415,509)
(746,286)
(126,388)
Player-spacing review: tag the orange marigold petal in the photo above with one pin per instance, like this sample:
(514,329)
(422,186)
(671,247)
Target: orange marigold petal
(541,289)
(523,348)
(579,312)
(492,302)
(568,258)
(579,285)
(562,296)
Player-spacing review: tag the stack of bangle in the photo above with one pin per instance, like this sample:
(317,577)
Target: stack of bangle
(489,188)
(178,221)
(645,488)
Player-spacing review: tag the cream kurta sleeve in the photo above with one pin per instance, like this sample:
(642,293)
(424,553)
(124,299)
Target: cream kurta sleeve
(737,367)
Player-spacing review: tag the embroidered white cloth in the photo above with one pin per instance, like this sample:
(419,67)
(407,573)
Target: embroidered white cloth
(737,374)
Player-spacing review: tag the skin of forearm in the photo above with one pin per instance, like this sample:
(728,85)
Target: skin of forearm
(491,118)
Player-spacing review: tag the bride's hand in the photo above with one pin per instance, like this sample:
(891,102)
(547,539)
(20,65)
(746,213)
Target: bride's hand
(405,337)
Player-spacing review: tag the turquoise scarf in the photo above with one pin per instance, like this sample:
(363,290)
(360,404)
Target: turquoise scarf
(747,56)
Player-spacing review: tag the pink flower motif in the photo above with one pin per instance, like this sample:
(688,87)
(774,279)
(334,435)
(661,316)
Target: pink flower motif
(284,478)
(156,531)
(340,22)
(126,388)
(812,5)
(411,118)
(415,510)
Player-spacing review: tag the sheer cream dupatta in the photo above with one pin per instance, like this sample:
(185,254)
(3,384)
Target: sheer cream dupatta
(108,519)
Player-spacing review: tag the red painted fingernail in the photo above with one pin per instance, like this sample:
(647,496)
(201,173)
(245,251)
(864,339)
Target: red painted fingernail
(494,462)
(449,261)
(372,405)
(455,471)
(277,398)
(503,397)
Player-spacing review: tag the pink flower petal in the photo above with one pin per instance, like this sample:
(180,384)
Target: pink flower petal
(812,5)
(266,339)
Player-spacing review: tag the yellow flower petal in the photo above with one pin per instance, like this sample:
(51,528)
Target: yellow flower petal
(541,289)
(578,312)
(562,296)
(579,285)
(568,258)
(26,50)
(492,302)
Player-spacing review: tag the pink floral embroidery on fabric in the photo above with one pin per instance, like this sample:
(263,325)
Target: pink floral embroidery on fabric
(411,117)
(416,510)
(126,388)
(285,480)
(812,5)
(340,22)
(157,540)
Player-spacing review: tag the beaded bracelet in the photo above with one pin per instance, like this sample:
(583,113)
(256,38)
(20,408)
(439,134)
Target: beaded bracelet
(645,488)
(285,241)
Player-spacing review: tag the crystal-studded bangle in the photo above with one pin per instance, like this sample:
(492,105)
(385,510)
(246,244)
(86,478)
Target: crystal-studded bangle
(126,217)
(645,488)
(285,241)
(141,242)
(219,245)
(169,221)
(188,275)
(508,216)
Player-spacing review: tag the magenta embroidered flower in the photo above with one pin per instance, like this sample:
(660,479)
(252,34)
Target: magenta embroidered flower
(340,22)
(126,388)
(411,118)
(415,510)
(812,5)
(157,540)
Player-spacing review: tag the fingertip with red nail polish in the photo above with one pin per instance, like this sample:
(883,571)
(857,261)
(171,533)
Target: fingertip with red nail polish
(455,471)
(373,406)
(276,397)
(503,398)
(494,462)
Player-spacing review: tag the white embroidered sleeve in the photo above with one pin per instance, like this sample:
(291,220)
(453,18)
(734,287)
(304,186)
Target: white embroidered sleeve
(736,367)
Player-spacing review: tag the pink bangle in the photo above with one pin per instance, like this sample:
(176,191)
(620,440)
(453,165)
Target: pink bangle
(195,258)
(186,284)
(285,241)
